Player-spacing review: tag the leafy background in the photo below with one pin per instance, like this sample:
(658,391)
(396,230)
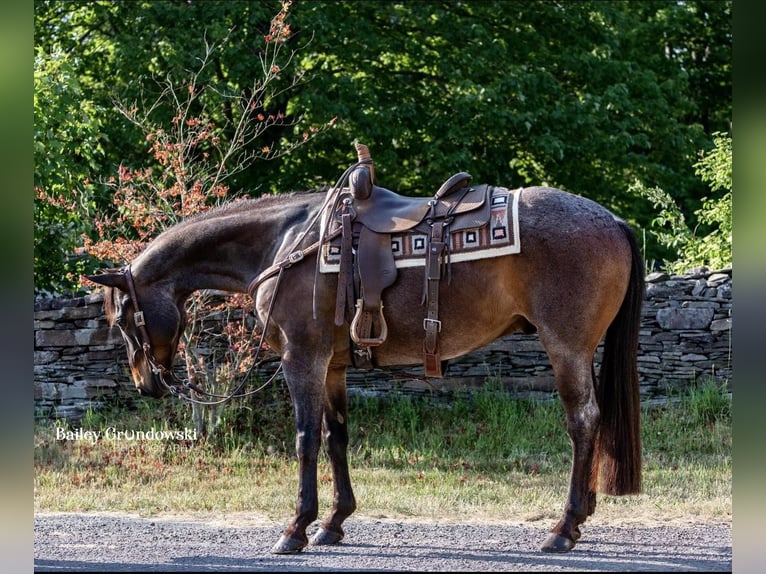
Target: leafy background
(603,99)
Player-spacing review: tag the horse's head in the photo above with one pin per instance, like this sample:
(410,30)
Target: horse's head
(151,322)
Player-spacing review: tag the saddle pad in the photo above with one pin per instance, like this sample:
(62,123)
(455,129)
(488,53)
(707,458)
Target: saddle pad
(497,237)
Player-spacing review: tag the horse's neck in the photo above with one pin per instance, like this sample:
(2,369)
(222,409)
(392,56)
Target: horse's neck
(223,252)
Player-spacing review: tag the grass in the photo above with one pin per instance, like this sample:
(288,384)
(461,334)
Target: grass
(482,458)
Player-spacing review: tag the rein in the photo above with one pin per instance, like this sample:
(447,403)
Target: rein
(183,390)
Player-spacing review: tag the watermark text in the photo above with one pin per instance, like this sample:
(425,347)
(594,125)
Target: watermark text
(112,433)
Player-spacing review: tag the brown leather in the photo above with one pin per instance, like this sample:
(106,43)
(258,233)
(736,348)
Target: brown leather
(377,213)
(431,324)
(377,269)
(345,294)
(470,213)
(360,183)
(457,181)
(388,212)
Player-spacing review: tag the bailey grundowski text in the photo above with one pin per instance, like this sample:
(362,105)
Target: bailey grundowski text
(112,433)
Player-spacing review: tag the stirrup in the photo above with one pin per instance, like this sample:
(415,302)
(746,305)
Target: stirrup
(360,338)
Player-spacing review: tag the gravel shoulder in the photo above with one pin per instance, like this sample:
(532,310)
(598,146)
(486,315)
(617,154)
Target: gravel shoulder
(123,542)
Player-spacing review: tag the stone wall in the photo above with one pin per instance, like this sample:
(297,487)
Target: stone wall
(685,334)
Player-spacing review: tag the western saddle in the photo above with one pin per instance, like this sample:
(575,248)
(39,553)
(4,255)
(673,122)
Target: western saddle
(368,215)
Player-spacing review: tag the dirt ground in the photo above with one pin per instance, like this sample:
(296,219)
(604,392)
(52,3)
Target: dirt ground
(205,542)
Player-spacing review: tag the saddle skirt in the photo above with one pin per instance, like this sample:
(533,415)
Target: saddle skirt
(493,231)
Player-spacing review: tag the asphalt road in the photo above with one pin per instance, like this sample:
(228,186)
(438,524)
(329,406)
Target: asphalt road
(99,542)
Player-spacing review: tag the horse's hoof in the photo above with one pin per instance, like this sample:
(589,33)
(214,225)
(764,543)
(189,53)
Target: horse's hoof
(557,543)
(287,545)
(323,537)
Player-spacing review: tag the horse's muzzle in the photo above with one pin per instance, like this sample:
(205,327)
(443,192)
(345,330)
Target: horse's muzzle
(149,385)
(156,392)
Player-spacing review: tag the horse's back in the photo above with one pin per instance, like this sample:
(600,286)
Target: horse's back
(560,213)
(569,279)
(566,233)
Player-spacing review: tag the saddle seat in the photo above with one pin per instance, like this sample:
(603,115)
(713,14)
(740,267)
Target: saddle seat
(384,211)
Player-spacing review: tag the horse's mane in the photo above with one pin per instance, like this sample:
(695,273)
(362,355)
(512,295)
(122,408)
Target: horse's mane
(229,209)
(233,207)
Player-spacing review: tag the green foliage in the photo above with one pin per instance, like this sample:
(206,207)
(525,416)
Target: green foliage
(191,161)
(488,456)
(709,402)
(709,243)
(581,95)
(489,431)
(87,61)
(715,168)
(68,147)
(588,96)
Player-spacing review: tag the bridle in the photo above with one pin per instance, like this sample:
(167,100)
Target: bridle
(185,389)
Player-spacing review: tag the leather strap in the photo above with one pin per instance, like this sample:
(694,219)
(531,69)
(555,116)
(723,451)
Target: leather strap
(345,292)
(138,315)
(431,324)
(377,270)
(288,261)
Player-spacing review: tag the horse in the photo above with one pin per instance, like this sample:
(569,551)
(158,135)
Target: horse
(578,280)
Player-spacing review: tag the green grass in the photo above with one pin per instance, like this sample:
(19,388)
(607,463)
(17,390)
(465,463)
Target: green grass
(479,458)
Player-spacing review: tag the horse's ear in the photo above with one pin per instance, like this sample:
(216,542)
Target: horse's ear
(109,280)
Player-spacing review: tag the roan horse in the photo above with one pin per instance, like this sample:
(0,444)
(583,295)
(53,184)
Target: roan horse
(578,280)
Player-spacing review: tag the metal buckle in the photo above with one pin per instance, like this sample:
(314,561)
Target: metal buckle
(435,322)
(295,256)
(138,318)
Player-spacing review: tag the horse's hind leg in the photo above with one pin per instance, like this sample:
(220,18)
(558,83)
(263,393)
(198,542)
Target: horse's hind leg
(335,426)
(574,380)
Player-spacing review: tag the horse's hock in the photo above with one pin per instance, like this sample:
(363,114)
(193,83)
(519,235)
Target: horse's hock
(685,333)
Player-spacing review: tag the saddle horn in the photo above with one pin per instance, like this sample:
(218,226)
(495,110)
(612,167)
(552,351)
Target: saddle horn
(363,156)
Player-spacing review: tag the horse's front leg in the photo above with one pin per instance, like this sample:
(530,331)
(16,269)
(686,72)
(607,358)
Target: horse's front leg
(575,383)
(305,379)
(335,425)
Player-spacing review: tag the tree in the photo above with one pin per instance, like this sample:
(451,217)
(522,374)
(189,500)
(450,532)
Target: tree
(68,147)
(113,53)
(708,243)
(588,96)
(580,95)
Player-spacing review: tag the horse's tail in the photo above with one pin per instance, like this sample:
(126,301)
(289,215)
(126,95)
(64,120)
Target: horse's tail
(617,457)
